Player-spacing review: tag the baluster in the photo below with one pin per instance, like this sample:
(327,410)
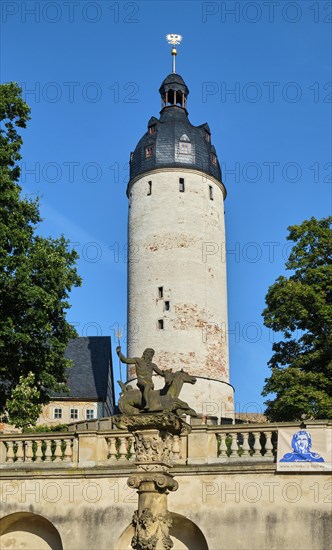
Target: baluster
(58,450)
(48,450)
(20,452)
(39,452)
(176,449)
(68,452)
(257,444)
(111,442)
(28,451)
(223,446)
(131,442)
(268,445)
(10,451)
(245,446)
(275,444)
(234,446)
(123,448)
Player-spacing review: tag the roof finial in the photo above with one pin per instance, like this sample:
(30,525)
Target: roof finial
(173,39)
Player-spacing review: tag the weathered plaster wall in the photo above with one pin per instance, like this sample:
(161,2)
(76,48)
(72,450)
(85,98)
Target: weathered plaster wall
(233,507)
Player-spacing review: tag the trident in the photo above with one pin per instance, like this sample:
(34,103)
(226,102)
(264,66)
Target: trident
(119,336)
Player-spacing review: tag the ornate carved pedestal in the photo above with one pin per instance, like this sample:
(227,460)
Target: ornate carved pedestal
(154,434)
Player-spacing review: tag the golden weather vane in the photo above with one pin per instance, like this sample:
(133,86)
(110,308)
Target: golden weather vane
(174,39)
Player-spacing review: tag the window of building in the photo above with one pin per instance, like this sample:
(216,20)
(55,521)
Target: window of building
(207,137)
(214,159)
(74,414)
(185,148)
(184,145)
(89,414)
(131,157)
(57,413)
(149,188)
(211,192)
(167,305)
(160,324)
(160,291)
(148,151)
(152,129)
(181,185)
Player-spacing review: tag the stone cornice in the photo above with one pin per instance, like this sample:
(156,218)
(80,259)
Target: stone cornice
(125,470)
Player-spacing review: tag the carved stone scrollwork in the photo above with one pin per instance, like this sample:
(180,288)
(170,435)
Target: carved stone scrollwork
(163,482)
(153,446)
(151,531)
(166,482)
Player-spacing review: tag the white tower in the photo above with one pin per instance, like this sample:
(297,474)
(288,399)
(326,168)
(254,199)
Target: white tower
(177,297)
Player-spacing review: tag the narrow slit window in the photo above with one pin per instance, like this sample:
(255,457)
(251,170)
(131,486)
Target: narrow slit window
(167,305)
(160,291)
(181,185)
(149,188)
(152,129)
(213,159)
(211,192)
(160,324)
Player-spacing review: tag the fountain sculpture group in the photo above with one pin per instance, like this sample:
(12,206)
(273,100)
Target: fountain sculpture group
(154,419)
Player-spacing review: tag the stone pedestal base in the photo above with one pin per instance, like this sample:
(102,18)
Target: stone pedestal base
(153,435)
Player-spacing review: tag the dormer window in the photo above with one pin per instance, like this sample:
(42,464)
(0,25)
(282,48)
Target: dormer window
(207,137)
(148,151)
(184,145)
(185,148)
(152,129)
(213,159)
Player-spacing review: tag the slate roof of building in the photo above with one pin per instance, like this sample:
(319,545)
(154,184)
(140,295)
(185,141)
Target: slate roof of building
(92,365)
(170,127)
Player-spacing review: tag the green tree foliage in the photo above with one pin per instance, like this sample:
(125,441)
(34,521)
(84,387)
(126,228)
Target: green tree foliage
(36,274)
(23,406)
(300,307)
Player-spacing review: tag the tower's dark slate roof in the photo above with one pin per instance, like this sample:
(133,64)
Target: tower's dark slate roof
(88,378)
(173,125)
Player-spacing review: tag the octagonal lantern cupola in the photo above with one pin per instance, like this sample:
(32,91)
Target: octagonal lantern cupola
(173,91)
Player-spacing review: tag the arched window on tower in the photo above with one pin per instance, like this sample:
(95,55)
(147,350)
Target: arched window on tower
(174,97)
(184,145)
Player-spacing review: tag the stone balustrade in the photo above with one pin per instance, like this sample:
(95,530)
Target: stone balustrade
(38,449)
(92,443)
(249,443)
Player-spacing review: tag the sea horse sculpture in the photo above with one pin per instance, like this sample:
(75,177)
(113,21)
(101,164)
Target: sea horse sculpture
(145,397)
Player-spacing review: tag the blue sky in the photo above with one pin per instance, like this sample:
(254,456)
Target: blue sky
(258,73)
